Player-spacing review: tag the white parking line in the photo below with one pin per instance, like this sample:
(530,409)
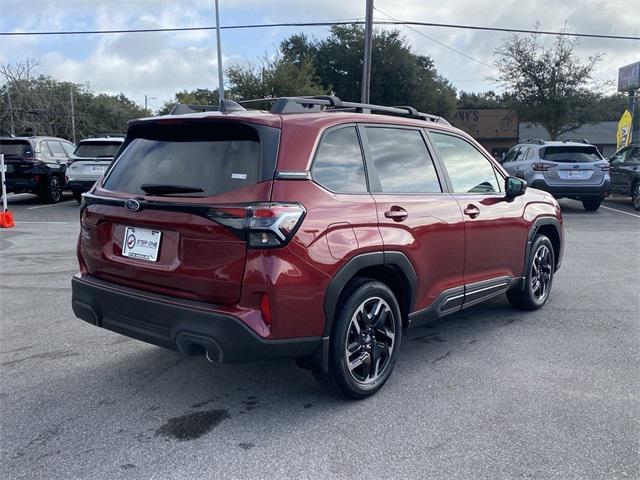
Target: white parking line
(50,205)
(620,211)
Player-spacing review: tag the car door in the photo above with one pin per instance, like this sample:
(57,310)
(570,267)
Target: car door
(624,166)
(57,151)
(416,216)
(495,230)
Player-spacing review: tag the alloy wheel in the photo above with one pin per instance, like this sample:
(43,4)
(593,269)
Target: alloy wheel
(370,340)
(635,198)
(541,272)
(56,189)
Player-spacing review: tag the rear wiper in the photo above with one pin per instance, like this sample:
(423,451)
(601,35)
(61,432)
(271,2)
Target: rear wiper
(155,189)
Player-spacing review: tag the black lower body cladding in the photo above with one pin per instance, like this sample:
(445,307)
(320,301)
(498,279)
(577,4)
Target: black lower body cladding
(186,326)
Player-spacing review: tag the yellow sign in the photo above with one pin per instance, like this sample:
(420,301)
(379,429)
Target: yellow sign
(624,129)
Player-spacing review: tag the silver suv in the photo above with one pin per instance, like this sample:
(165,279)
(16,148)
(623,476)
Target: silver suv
(92,158)
(572,169)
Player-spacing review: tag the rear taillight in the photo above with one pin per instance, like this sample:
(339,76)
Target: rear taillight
(262,225)
(35,158)
(542,167)
(605,167)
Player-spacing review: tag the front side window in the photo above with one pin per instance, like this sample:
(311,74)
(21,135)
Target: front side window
(402,161)
(469,170)
(339,164)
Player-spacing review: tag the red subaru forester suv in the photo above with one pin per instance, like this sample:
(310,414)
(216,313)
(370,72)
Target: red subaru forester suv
(319,230)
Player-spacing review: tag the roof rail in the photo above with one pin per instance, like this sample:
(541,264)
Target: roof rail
(537,141)
(285,105)
(225,106)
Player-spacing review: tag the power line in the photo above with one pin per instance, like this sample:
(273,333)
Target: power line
(323,24)
(439,42)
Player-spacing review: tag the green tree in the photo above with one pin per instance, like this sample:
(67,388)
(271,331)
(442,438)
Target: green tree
(548,86)
(399,76)
(274,77)
(199,96)
(41,105)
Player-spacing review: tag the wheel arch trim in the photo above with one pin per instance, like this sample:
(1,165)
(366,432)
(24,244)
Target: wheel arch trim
(396,260)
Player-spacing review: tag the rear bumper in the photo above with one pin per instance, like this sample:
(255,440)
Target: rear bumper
(186,326)
(574,191)
(80,186)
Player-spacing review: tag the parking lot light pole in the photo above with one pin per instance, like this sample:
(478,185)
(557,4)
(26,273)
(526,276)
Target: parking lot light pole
(220,72)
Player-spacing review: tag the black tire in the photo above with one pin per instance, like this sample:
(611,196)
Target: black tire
(635,196)
(53,190)
(592,205)
(369,345)
(77,196)
(531,297)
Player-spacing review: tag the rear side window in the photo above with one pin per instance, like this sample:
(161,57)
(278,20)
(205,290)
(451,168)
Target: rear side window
(214,157)
(15,148)
(339,165)
(469,170)
(97,149)
(402,161)
(570,154)
(56,149)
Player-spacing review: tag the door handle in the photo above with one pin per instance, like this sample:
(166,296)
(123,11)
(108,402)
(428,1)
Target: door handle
(472,211)
(397,214)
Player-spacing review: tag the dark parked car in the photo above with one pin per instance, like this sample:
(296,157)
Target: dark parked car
(306,233)
(91,160)
(625,173)
(36,165)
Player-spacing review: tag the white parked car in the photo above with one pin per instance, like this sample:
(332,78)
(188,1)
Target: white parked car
(91,160)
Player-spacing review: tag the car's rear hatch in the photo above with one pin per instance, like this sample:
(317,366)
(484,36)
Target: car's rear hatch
(19,157)
(573,165)
(198,253)
(92,158)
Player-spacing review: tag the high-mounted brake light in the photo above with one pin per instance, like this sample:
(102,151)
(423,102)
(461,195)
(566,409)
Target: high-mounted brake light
(542,167)
(262,225)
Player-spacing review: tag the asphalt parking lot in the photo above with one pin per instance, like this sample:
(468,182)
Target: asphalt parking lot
(490,393)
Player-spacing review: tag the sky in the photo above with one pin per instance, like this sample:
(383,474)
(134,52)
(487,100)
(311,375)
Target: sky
(159,64)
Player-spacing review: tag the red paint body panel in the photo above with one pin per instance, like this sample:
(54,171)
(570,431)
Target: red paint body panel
(432,237)
(496,238)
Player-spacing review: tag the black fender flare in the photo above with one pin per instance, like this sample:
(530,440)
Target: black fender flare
(396,260)
(535,226)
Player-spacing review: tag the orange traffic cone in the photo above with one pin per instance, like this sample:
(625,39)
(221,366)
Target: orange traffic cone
(6,220)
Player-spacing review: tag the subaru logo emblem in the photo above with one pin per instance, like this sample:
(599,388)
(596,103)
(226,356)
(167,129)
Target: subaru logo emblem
(132,205)
(576,166)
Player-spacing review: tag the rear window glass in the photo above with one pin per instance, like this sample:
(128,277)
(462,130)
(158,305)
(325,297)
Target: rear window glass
(215,159)
(97,149)
(570,154)
(15,148)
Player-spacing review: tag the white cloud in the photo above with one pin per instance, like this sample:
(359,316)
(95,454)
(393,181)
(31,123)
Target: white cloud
(159,64)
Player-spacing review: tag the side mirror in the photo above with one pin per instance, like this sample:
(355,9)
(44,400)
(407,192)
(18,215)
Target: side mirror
(514,187)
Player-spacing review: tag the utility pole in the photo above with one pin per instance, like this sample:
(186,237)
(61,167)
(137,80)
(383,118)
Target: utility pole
(73,117)
(368,43)
(13,127)
(220,71)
